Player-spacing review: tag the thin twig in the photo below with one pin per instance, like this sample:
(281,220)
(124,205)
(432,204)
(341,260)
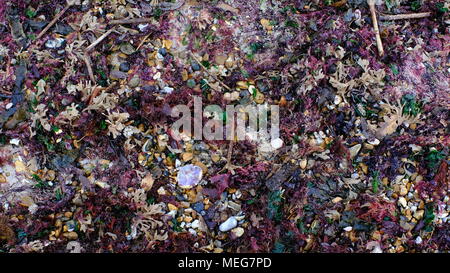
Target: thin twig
(87,60)
(206,70)
(99,39)
(405,16)
(69,4)
(130,21)
(142,42)
(375,26)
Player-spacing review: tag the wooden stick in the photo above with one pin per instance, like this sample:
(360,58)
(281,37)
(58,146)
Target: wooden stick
(69,4)
(142,42)
(405,16)
(206,70)
(96,42)
(130,21)
(375,26)
(87,60)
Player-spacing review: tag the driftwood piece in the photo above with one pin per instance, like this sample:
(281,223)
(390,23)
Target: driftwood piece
(375,26)
(69,4)
(405,16)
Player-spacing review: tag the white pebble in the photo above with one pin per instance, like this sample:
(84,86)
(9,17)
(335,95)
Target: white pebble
(277,143)
(229,224)
(418,240)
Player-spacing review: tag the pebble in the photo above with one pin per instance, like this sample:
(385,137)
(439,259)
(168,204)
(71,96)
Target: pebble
(303,163)
(374,142)
(71,235)
(419,214)
(167,90)
(195,224)
(124,67)
(337,100)
(403,190)
(348,228)
(55,43)
(238,232)
(2,179)
(134,82)
(187,156)
(191,83)
(229,224)
(220,59)
(277,143)
(171,207)
(189,176)
(127,49)
(418,240)
(195,66)
(116,74)
(198,207)
(162,51)
(402,202)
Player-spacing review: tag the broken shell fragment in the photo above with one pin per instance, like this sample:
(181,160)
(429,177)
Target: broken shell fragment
(189,176)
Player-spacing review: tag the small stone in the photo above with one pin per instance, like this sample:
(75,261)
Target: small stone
(238,232)
(20,167)
(117,75)
(195,224)
(419,240)
(191,83)
(167,90)
(336,200)
(419,214)
(403,190)
(68,214)
(198,207)
(229,224)
(402,202)
(195,66)
(374,142)
(134,82)
(55,43)
(189,176)
(405,225)
(124,67)
(188,219)
(348,229)
(162,51)
(227,96)
(303,163)
(187,156)
(337,100)
(171,207)
(127,49)
(277,143)
(354,150)
(215,158)
(220,59)
(71,235)
(234,96)
(2,179)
